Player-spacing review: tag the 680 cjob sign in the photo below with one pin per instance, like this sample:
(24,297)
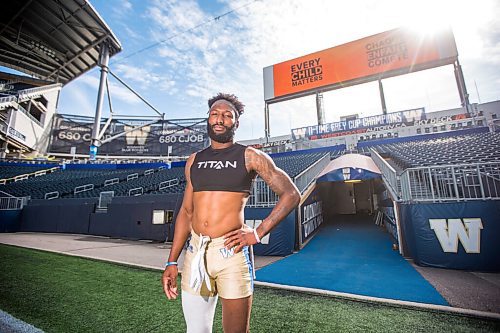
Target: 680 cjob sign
(183,136)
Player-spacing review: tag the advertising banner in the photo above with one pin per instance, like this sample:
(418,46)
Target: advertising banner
(390,53)
(360,125)
(462,235)
(164,138)
(311,215)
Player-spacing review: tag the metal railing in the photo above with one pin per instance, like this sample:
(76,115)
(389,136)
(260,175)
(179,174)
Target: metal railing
(135,191)
(51,195)
(306,177)
(111,181)
(12,203)
(83,188)
(458,182)
(132,176)
(27,94)
(261,195)
(8,99)
(389,175)
(21,177)
(168,183)
(27,175)
(40,173)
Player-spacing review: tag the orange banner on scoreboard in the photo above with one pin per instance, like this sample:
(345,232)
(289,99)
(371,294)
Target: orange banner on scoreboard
(387,52)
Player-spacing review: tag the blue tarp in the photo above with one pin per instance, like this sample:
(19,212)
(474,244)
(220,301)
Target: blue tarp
(461,235)
(281,238)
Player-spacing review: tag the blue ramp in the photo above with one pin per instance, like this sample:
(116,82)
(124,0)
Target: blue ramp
(354,256)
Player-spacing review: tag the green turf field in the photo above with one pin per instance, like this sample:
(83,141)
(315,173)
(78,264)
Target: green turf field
(59,293)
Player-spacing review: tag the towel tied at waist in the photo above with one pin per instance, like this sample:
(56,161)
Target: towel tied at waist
(198,270)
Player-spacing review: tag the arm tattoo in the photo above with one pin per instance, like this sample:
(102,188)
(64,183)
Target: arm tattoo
(279,182)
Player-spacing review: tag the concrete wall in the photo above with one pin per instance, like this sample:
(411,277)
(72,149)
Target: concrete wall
(28,132)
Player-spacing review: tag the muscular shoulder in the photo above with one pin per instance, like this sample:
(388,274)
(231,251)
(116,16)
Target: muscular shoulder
(187,169)
(257,160)
(276,178)
(190,160)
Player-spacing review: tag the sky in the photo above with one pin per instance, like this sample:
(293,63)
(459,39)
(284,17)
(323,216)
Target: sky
(179,53)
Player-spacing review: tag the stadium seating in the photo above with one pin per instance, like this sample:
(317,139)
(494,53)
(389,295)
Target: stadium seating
(11,170)
(148,184)
(293,163)
(452,149)
(137,179)
(64,182)
(140,179)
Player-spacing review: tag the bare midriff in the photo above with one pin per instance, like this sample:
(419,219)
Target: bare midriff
(216,213)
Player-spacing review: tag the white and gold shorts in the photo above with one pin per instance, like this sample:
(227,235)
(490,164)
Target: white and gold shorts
(210,269)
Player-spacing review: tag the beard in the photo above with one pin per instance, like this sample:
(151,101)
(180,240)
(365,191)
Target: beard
(225,137)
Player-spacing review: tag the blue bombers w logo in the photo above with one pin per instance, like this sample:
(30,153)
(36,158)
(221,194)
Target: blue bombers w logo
(227,253)
(450,232)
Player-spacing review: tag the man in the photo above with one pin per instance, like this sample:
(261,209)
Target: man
(217,261)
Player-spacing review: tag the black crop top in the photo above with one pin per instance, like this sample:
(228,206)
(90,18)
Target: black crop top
(221,170)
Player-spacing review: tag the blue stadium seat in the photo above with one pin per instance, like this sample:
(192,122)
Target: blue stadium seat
(452,149)
(115,179)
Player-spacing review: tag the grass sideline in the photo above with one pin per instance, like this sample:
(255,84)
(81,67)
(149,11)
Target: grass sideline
(59,293)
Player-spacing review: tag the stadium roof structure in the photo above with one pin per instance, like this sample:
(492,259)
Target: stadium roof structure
(349,167)
(53,40)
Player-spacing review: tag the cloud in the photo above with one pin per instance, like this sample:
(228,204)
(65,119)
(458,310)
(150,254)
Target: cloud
(144,77)
(122,8)
(229,54)
(131,32)
(76,100)
(195,56)
(117,90)
(275,31)
(491,38)
(175,16)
